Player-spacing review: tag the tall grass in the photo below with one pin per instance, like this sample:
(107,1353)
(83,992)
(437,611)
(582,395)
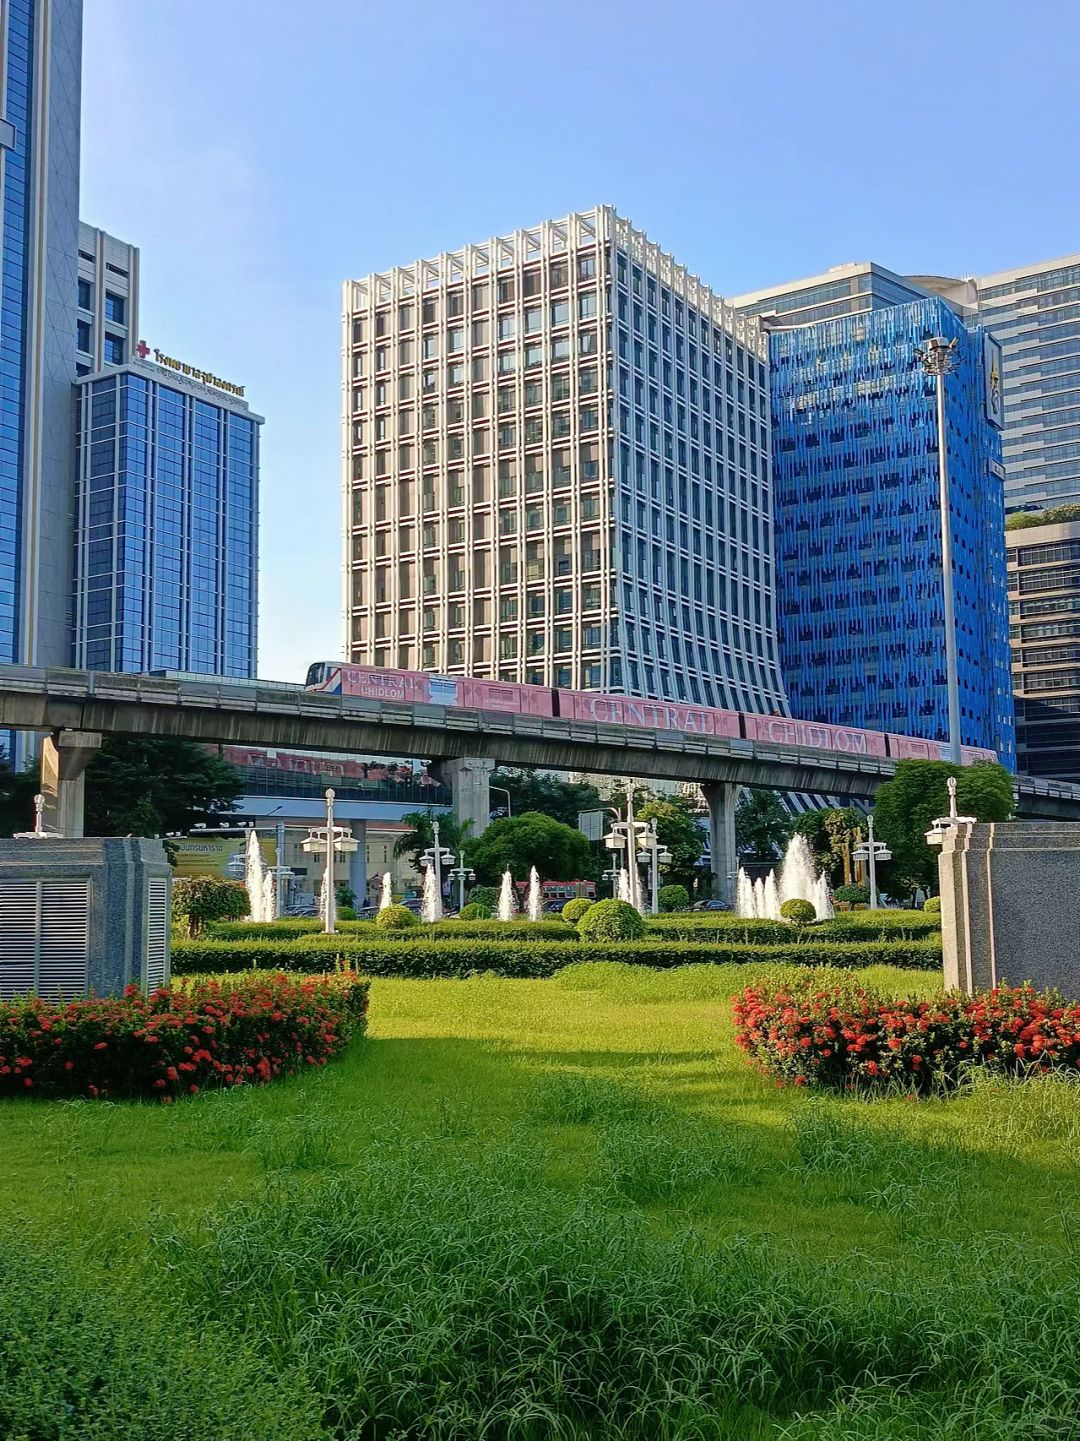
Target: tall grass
(532,1211)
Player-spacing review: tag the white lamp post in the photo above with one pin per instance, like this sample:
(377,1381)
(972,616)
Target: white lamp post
(437,855)
(655,855)
(872,851)
(461,873)
(329,840)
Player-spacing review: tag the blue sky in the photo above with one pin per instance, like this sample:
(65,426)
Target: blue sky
(260,153)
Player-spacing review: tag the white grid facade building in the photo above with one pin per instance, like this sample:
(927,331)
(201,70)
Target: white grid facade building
(557,471)
(107,325)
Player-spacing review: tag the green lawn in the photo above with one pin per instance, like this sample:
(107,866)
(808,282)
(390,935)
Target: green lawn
(536,1209)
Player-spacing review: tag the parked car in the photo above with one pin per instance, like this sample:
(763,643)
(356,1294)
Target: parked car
(713,905)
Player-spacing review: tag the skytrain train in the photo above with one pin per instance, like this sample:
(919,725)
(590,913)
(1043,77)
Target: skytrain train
(424,688)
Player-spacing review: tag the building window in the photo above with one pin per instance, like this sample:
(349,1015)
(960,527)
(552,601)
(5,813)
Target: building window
(85,294)
(83,331)
(114,349)
(115,308)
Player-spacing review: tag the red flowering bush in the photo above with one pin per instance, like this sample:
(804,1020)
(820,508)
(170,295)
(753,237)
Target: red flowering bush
(177,1042)
(845,1035)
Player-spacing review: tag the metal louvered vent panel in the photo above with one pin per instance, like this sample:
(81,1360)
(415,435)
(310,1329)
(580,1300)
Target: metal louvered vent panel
(18,938)
(44,938)
(63,963)
(157,932)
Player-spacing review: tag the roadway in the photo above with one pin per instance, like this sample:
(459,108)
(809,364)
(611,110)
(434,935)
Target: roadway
(280,716)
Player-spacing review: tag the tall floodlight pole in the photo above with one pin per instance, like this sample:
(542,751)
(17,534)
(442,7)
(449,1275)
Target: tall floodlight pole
(937,358)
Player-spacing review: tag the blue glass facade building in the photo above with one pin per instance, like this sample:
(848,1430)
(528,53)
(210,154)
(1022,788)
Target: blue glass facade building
(41,44)
(166,526)
(858,543)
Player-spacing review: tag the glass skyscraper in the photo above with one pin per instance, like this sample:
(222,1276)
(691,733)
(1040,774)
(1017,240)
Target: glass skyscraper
(851,289)
(166,525)
(557,470)
(1034,311)
(858,533)
(40,49)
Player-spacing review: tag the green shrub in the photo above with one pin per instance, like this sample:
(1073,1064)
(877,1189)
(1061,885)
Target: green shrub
(395,918)
(852,895)
(240,1031)
(729,930)
(882,925)
(611,921)
(800,912)
(286,929)
(573,911)
(932,905)
(674,898)
(197,901)
(487,896)
(474,911)
(459,929)
(417,957)
(346,913)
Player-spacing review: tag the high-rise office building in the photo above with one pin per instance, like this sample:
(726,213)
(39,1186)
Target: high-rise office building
(1044,607)
(855,473)
(40,52)
(1034,311)
(166,522)
(852,289)
(557,470)
(107,323)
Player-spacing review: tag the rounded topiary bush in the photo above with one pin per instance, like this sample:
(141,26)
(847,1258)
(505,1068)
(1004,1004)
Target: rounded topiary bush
(396,918)
(800,912)
(932,904)
(611,921)
(474,911)
(573,911)
(852,895)
(674,898)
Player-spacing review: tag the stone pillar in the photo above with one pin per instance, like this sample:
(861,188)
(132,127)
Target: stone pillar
(721,797)
(358,864)
(1008,911)
(469,779)
(64,758)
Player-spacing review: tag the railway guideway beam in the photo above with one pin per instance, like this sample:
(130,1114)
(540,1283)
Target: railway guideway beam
(64,758)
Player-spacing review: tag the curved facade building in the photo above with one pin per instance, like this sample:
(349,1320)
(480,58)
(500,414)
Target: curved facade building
(858,529)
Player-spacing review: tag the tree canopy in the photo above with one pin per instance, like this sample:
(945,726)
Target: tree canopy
(559,852)
(421,834)
(136,786)
(762,825)
(1056,515)
(831,833)
(678,829)
(906,807)
(532,790)
(154,786)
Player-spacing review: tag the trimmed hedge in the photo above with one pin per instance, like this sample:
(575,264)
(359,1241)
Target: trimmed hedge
(419,958)
(176,1042)
(552,930)
(728,929)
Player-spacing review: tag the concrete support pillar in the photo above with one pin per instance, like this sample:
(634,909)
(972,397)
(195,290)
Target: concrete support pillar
(721,797)
(469,779)
(64,758)
(358,864)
